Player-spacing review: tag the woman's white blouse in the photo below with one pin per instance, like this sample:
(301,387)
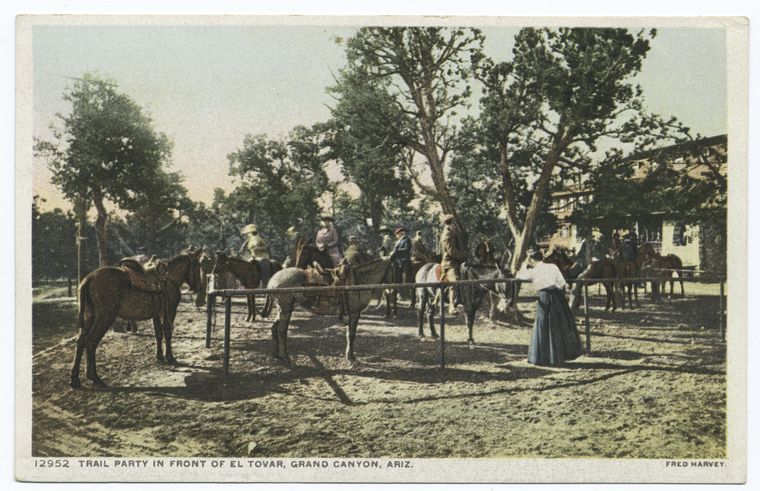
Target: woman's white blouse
(542,275)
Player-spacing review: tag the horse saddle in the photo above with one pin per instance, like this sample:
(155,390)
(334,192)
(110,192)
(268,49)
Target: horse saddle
(324,303)
(149,281)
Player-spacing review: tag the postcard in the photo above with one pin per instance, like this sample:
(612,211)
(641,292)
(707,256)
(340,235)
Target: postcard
(381,249)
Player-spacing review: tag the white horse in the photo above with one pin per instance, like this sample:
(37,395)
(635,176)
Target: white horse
(353,302)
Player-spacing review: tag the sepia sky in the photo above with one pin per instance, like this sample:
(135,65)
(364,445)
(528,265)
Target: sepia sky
(207,87)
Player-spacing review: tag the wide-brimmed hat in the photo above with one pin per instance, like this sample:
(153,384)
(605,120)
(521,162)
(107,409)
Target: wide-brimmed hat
(248,229)
(326,218)
(447,218)
(400,229)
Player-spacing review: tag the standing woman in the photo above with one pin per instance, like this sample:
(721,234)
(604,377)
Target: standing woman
(555,338)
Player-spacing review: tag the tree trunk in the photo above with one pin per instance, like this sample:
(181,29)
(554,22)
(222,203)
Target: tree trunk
(100,229)
(523,240)
(80,210)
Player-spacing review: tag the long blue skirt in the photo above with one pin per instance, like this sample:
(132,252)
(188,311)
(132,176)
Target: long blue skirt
(555,338)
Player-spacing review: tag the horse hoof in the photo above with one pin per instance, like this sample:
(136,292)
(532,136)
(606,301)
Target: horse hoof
(471,343)
(173,362)
(99,383)
(76,383)
(434,336)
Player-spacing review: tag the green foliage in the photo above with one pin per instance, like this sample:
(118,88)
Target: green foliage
(425,74)
(279,184)
(362,138)
(544,112)
(107,149)
(107,145)
(53,244)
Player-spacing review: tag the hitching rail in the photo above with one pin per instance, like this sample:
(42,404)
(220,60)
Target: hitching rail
(228,293)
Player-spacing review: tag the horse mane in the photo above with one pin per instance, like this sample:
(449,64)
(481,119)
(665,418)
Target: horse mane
(371,267)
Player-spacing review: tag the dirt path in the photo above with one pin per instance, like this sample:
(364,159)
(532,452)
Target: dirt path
(653,387)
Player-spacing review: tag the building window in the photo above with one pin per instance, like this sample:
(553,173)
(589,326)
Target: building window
(679,234)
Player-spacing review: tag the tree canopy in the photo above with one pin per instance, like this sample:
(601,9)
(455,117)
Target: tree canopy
(107,150)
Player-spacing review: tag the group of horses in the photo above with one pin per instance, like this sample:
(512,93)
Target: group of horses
(619,275)
(110,292)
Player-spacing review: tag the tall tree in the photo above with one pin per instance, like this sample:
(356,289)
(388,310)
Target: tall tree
(360,138)
(426,72)
(280,182)
(562,92)
(106,150)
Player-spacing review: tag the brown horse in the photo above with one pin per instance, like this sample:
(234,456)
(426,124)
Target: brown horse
(246,272)
(107,293)
(307,253)
(139,263)
(603,269)
(560,257)
(626,270)
(661,267)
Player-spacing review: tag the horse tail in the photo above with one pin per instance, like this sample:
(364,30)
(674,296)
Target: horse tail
(85,303)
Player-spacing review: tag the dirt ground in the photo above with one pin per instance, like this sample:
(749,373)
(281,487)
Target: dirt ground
(653,386)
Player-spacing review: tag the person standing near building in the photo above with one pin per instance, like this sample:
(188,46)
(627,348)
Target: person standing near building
(327,240)
(256,246)
(555,338)
(453,254)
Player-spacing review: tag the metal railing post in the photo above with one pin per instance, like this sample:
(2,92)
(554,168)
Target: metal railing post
(586,319)
(227,319)
(721,308)
(443,327)
(210,305)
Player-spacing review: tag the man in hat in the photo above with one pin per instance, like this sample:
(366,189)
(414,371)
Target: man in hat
(401,255)
(257,247)
(327,240)
(354,255)
(420,254)
(453,254)
(388,241)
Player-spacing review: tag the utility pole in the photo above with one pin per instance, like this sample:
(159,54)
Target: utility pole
(80,210)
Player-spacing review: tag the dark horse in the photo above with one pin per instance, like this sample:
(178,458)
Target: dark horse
(560,257)
(307,253)
(354,302)
(107,293)
(246,272)
(652,263)
(470,295)
(603,270)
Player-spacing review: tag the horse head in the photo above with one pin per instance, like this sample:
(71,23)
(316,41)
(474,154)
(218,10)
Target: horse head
(221,263)
(194,277)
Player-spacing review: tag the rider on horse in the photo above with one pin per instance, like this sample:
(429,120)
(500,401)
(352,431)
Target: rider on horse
(401,256)
(419,253)
(354,255)
(256,246)
(453,254)
(327,240)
